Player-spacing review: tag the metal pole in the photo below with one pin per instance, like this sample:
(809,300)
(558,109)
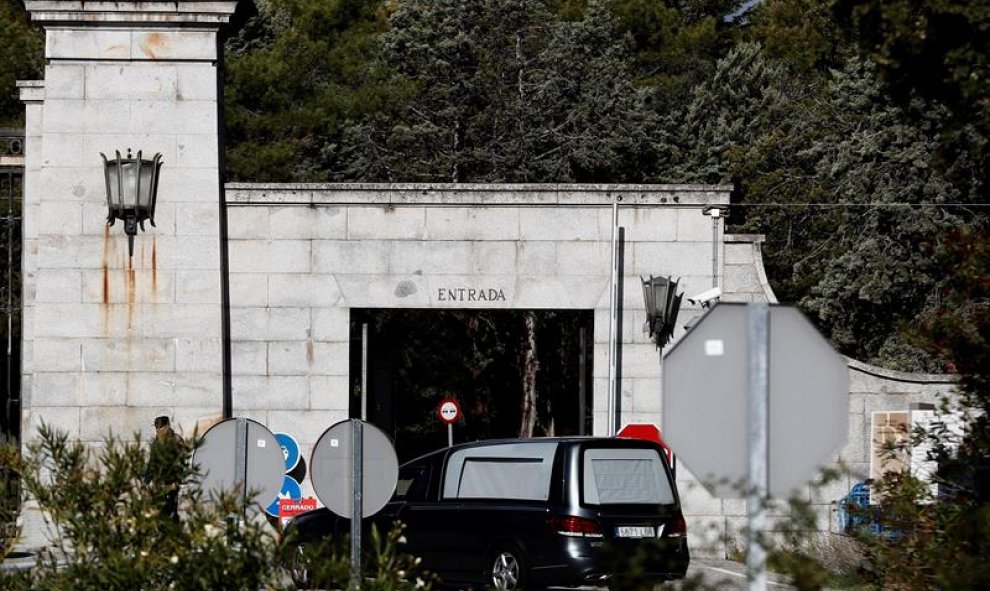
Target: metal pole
(240,457)
(613,323)
(758,415)
(582,385)
(364,371)
(716,214)
(8,308)
(450,435)
(227,404)
(357,483)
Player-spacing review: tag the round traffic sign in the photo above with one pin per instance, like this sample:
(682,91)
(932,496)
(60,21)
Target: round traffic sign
(332,469)
(449,411)
(290,450)
(241,455)
(291,489)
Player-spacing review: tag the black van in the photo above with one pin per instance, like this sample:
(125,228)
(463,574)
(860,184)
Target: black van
(525,513)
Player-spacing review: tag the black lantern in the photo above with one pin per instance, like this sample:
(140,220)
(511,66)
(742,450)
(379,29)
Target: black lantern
(662,305)
(132,189)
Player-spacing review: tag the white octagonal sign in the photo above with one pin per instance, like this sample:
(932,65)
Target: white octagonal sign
(705,388)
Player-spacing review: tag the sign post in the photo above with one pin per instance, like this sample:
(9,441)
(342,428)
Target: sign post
(774,397)
(357,491)
(354,472)
(449,412)
(757,400)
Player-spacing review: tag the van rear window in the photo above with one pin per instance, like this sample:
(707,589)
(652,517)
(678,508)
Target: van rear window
(625,477)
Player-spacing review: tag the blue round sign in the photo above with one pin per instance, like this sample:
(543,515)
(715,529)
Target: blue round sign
(290,450)
(290,490)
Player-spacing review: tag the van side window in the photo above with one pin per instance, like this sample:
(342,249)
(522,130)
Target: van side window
(510,471)
(413,483)
(625,477)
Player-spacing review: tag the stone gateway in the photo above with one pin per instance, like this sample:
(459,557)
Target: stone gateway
(245,291)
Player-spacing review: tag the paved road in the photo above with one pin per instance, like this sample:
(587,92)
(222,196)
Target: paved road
(714,575)
(724,575)
(703,575)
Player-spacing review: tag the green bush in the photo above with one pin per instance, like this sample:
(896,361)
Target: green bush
(326,565)
(110,531)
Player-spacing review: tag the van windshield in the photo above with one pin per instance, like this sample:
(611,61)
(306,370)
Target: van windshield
(625,477)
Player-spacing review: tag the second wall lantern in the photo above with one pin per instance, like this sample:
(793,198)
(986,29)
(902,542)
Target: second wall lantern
(662,305)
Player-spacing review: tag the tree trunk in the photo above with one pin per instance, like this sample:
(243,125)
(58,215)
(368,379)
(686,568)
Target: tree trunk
(551,429)
(530,367)
(455,173)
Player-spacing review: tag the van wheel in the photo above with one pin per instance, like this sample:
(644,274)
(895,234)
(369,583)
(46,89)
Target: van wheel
(506,569)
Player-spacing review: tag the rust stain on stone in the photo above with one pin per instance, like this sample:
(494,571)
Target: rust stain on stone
(115,51)
(106,278)
(309,351)
(106,266)
(154,266)
(153,44)
(131,295)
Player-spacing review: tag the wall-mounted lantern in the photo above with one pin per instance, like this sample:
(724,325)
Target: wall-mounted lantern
(132,189)
(662,305)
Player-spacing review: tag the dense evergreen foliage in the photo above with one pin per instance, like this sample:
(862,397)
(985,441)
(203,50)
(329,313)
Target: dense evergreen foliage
(851,181)
(21,48)
(503,92)
(853,145)
(854,132)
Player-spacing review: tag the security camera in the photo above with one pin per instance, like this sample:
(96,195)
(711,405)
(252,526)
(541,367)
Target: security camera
(706,298)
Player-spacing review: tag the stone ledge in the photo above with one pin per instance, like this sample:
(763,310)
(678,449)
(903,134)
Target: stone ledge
(417,194)
(98,13)
(31,90)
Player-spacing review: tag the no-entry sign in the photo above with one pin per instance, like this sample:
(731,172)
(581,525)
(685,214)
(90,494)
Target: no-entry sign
(449,411)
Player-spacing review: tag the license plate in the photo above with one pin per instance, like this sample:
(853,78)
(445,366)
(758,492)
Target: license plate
(635,531)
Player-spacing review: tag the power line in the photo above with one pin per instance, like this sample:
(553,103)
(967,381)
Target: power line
(863,205)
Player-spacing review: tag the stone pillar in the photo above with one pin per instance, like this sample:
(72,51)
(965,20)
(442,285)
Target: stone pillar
(111,341)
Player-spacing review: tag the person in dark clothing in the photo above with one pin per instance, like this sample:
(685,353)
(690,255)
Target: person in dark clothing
(165,465)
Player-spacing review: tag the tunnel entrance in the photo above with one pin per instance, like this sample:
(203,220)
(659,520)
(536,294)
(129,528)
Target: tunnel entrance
(515,373)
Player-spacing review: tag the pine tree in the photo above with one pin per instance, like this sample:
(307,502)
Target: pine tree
(21,58)
(295,73)
(505,92)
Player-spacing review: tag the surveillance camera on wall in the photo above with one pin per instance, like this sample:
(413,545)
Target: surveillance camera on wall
(707,298)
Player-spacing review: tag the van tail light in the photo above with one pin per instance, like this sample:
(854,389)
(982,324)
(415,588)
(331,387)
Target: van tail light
(576,527)
(678,528)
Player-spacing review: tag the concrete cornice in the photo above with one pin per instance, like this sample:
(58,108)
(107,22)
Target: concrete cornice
(901,376)
(125,12)
(756,240)
(31,90)
(395,194)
